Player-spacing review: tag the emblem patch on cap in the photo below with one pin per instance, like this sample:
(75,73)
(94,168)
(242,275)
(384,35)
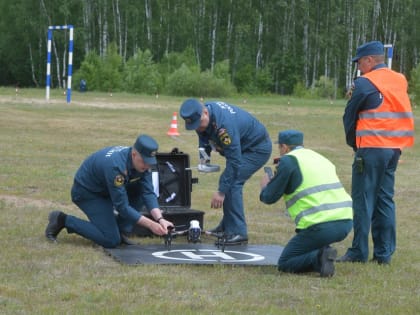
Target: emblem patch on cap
(119,180)
(153,153)
(224,136)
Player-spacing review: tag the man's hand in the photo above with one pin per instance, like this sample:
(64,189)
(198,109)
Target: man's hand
(159,228)
(264,180)
(166,224)
(217,200)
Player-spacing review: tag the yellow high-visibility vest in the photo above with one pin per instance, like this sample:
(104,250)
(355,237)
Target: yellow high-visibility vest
(320,197)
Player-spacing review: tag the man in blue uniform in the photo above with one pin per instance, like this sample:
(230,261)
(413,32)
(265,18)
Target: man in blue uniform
(315,200)
(111,186)
(378,124)
(246,145)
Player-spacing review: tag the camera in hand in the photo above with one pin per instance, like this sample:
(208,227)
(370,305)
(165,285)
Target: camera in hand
(269,171)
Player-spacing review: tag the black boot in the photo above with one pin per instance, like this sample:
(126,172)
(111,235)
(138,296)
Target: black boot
(234,239)
(216,230)
(327,257)
(56,222)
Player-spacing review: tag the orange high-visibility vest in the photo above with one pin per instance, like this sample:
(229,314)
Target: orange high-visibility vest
(391,124)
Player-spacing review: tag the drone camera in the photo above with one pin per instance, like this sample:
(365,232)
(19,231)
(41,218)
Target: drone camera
(194,232)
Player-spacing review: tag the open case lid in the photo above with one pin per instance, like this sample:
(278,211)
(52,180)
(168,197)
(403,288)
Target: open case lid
(173,180)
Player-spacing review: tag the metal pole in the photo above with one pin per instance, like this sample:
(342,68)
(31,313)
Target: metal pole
(389,53)
(48,80)
(70,63)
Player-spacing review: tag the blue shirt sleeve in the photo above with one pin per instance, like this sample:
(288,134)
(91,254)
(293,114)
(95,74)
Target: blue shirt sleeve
(352,110)
(118,194)
(285,181)
(364,96)
(232,153)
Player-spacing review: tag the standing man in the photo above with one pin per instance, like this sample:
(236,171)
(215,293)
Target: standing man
(378,123)
(246,145)
(315,200)
(111,187)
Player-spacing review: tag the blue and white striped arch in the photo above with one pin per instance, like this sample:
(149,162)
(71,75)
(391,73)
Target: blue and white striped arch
(70,63)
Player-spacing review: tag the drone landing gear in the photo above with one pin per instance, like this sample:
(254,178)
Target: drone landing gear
(194,236)
(221,239)
(169,237)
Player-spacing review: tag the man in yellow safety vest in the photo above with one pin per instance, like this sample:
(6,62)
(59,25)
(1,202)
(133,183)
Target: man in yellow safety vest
(315,200)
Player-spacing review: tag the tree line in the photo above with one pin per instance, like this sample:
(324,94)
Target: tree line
(251,46)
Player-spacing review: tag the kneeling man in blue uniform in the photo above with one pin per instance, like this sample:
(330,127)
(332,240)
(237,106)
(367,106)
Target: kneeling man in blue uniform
(315,200)
(111,187)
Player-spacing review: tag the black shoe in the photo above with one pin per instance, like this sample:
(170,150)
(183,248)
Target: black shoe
(327,257)
(380,262)
(346,258)
(56,221)
(216,230)
(235,239)
(125,240)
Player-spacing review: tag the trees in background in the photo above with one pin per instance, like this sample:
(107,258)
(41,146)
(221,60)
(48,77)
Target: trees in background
(154,46)
(140,74)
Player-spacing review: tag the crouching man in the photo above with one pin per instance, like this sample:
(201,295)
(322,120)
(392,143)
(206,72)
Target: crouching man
(315,200)
(111,187)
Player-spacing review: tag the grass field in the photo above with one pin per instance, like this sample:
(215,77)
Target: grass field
(41,146)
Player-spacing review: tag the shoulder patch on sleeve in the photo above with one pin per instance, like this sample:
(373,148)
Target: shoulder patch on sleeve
(118,180)
(224,136)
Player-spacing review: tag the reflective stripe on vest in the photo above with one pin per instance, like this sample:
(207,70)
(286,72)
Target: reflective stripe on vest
(390,125)
(320,197)
(312,190)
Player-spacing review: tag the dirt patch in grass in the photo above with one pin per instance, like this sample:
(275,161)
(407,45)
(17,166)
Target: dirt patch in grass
(20,202)
(100,102)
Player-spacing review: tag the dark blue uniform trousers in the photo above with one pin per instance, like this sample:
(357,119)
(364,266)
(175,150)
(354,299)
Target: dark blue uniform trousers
(301,253)
(103,226)
(253,159)
(373,204)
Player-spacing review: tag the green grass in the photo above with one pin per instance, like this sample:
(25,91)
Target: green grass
(41,146)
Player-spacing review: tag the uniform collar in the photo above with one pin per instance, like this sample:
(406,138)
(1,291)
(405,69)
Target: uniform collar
(210,126)
(379,66)
(130,167)
(298,147)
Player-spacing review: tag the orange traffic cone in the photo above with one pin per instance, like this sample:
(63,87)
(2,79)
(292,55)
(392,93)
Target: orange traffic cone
(173,130)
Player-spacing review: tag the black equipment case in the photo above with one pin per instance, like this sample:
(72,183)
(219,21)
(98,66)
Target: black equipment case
(172,179)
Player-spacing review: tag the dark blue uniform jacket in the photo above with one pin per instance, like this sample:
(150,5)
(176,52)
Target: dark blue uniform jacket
(286,180)
(109,173)
(231,132)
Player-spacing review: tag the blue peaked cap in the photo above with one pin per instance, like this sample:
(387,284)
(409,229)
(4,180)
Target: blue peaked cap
(191,111)
(147,147)
(290,137)
(369,49)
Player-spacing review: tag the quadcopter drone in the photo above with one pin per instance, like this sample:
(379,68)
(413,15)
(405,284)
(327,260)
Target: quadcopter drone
(193,234)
